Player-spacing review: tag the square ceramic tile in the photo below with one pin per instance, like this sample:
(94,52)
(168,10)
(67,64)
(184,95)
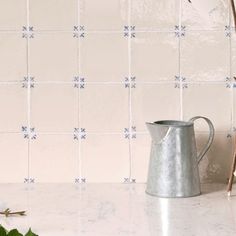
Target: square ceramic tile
(104,57)
(53,14)
(53,57)
(211,14)
(215,165)
(12,14)
(141,147)
(53,159)
(233,56)
(209,100)
(152,14)
(13,157)
(155,56)
(104,108)
(105,158)
(13,107)
(13,57)
(152,102)
(104,14)
(54,108)
(205,56)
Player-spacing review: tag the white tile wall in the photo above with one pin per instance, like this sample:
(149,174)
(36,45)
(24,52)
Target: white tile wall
(79,78)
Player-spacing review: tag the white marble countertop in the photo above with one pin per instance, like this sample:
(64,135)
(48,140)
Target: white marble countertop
(117,209)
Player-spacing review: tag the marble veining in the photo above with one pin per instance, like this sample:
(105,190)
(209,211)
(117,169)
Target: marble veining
(117,209)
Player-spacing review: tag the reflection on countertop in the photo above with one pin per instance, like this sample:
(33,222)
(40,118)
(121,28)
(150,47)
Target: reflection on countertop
(117,209)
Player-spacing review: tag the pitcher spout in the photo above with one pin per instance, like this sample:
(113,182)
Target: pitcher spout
(158,132)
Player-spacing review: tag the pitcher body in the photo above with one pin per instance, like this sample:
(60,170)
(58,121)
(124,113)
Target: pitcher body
(173,167)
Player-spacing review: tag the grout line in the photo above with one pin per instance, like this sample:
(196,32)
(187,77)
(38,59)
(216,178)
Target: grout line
(181,82)
(77,145)
(180,72)
(10,132)
(130,91)
(116,31)
(79,93)
(180,13)
(28,93)
(90,133)
(98,133)
(213,82)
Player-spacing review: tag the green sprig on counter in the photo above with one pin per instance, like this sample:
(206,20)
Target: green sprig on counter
(14,232)
(8,212)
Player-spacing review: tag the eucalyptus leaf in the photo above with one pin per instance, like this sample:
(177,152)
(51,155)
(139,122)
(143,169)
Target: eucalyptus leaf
(14,232)
(3,232)
(30,233)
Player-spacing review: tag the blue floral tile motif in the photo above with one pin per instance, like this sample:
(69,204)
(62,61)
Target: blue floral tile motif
(180,31)
(79,82)
(181,81)
(28,133)
(29,180)
(79,133)
(129,181)
(227,31)
(229,136)
(230,83)
(130,133)
(79,31)
(130,82)
(184,83)
(28,81)
(129,31)
(80,180)
(27,32)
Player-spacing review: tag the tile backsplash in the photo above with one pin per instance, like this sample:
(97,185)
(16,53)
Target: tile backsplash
(79,79)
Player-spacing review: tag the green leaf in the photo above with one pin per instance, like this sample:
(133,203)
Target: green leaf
(14,232)
(3,232)
(30,233)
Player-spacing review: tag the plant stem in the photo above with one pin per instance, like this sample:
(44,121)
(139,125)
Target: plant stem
(8,212)
(234,13)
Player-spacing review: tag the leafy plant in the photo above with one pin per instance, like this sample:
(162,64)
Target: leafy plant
(14,232)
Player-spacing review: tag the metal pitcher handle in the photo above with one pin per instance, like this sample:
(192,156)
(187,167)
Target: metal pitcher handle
(210,139)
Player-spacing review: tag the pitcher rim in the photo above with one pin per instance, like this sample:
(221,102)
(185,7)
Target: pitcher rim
(172,123)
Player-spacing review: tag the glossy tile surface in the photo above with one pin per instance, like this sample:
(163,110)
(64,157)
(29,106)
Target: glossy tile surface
(144,14)
(202,14)
(155,56)
(117,209)
(103,14)
(205,57)
(53,14)
(201,99)
(13,56)
(12,14)
(105,58)
(46,49)
(103,161)
(83,76)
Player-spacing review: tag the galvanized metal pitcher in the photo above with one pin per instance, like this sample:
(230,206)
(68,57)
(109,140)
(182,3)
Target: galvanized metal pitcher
(173,166)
